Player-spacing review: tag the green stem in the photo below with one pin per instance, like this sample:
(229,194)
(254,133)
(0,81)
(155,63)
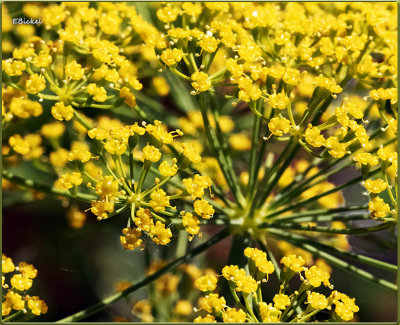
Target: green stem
(11,317)
(290,113)
(317,197)
(169,267)
(306,316)
(220,154)
(323,229)
(287,158)
(152,188)
(327,218)
(180,74)
(316,249)
(143,174)
(216,77)
(253,154)
(104,161)
(81,120)
(85,197)
(389,190)
(320,212)
(193,62)
(270,172)
(131,170)
(121,173)
(250,308)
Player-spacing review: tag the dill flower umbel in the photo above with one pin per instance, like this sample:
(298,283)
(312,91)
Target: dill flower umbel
(246,285)
(16,281)
(114,191)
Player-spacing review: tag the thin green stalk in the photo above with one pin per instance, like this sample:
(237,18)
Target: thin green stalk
(104,161)
(290,113)
(220,154)
(193,62)
(388,189)
(121,174)
(287,161)
(169,267)
(143,174)
(81,120)
(180,74)
(322,176)
(317,197)
(85,197)
(224,146)
(329,230)
(210,60)
(293,191)
(11,317)
(250,308)
(253,155)
(320,212)
(236,297)
(327,218)
(269,174)
(131,169)
(321,250)
(306,316)
(151,188)
(94,180)
(216,77)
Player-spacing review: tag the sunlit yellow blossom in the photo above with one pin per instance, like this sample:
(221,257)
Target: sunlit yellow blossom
(35,84)
(25,108)
(293,262)
(315,276)
(201,82)
(233,315)
(21,282)
(314,137)
(99,93)
(168,170)
(151,153)
(375,186)
(281,301)
(191,223)
(378,208)
(317,300)
(159,200)
(67,181)
(171,57)
(206,283)
(160,234)
(52,130)
(74,70)
(61,112)
(279,126)
(203,209)
(131,238)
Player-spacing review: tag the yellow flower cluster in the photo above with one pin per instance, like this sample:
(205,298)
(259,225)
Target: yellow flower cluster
(282,308)
(98,71)
(151,210)
(20,281)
